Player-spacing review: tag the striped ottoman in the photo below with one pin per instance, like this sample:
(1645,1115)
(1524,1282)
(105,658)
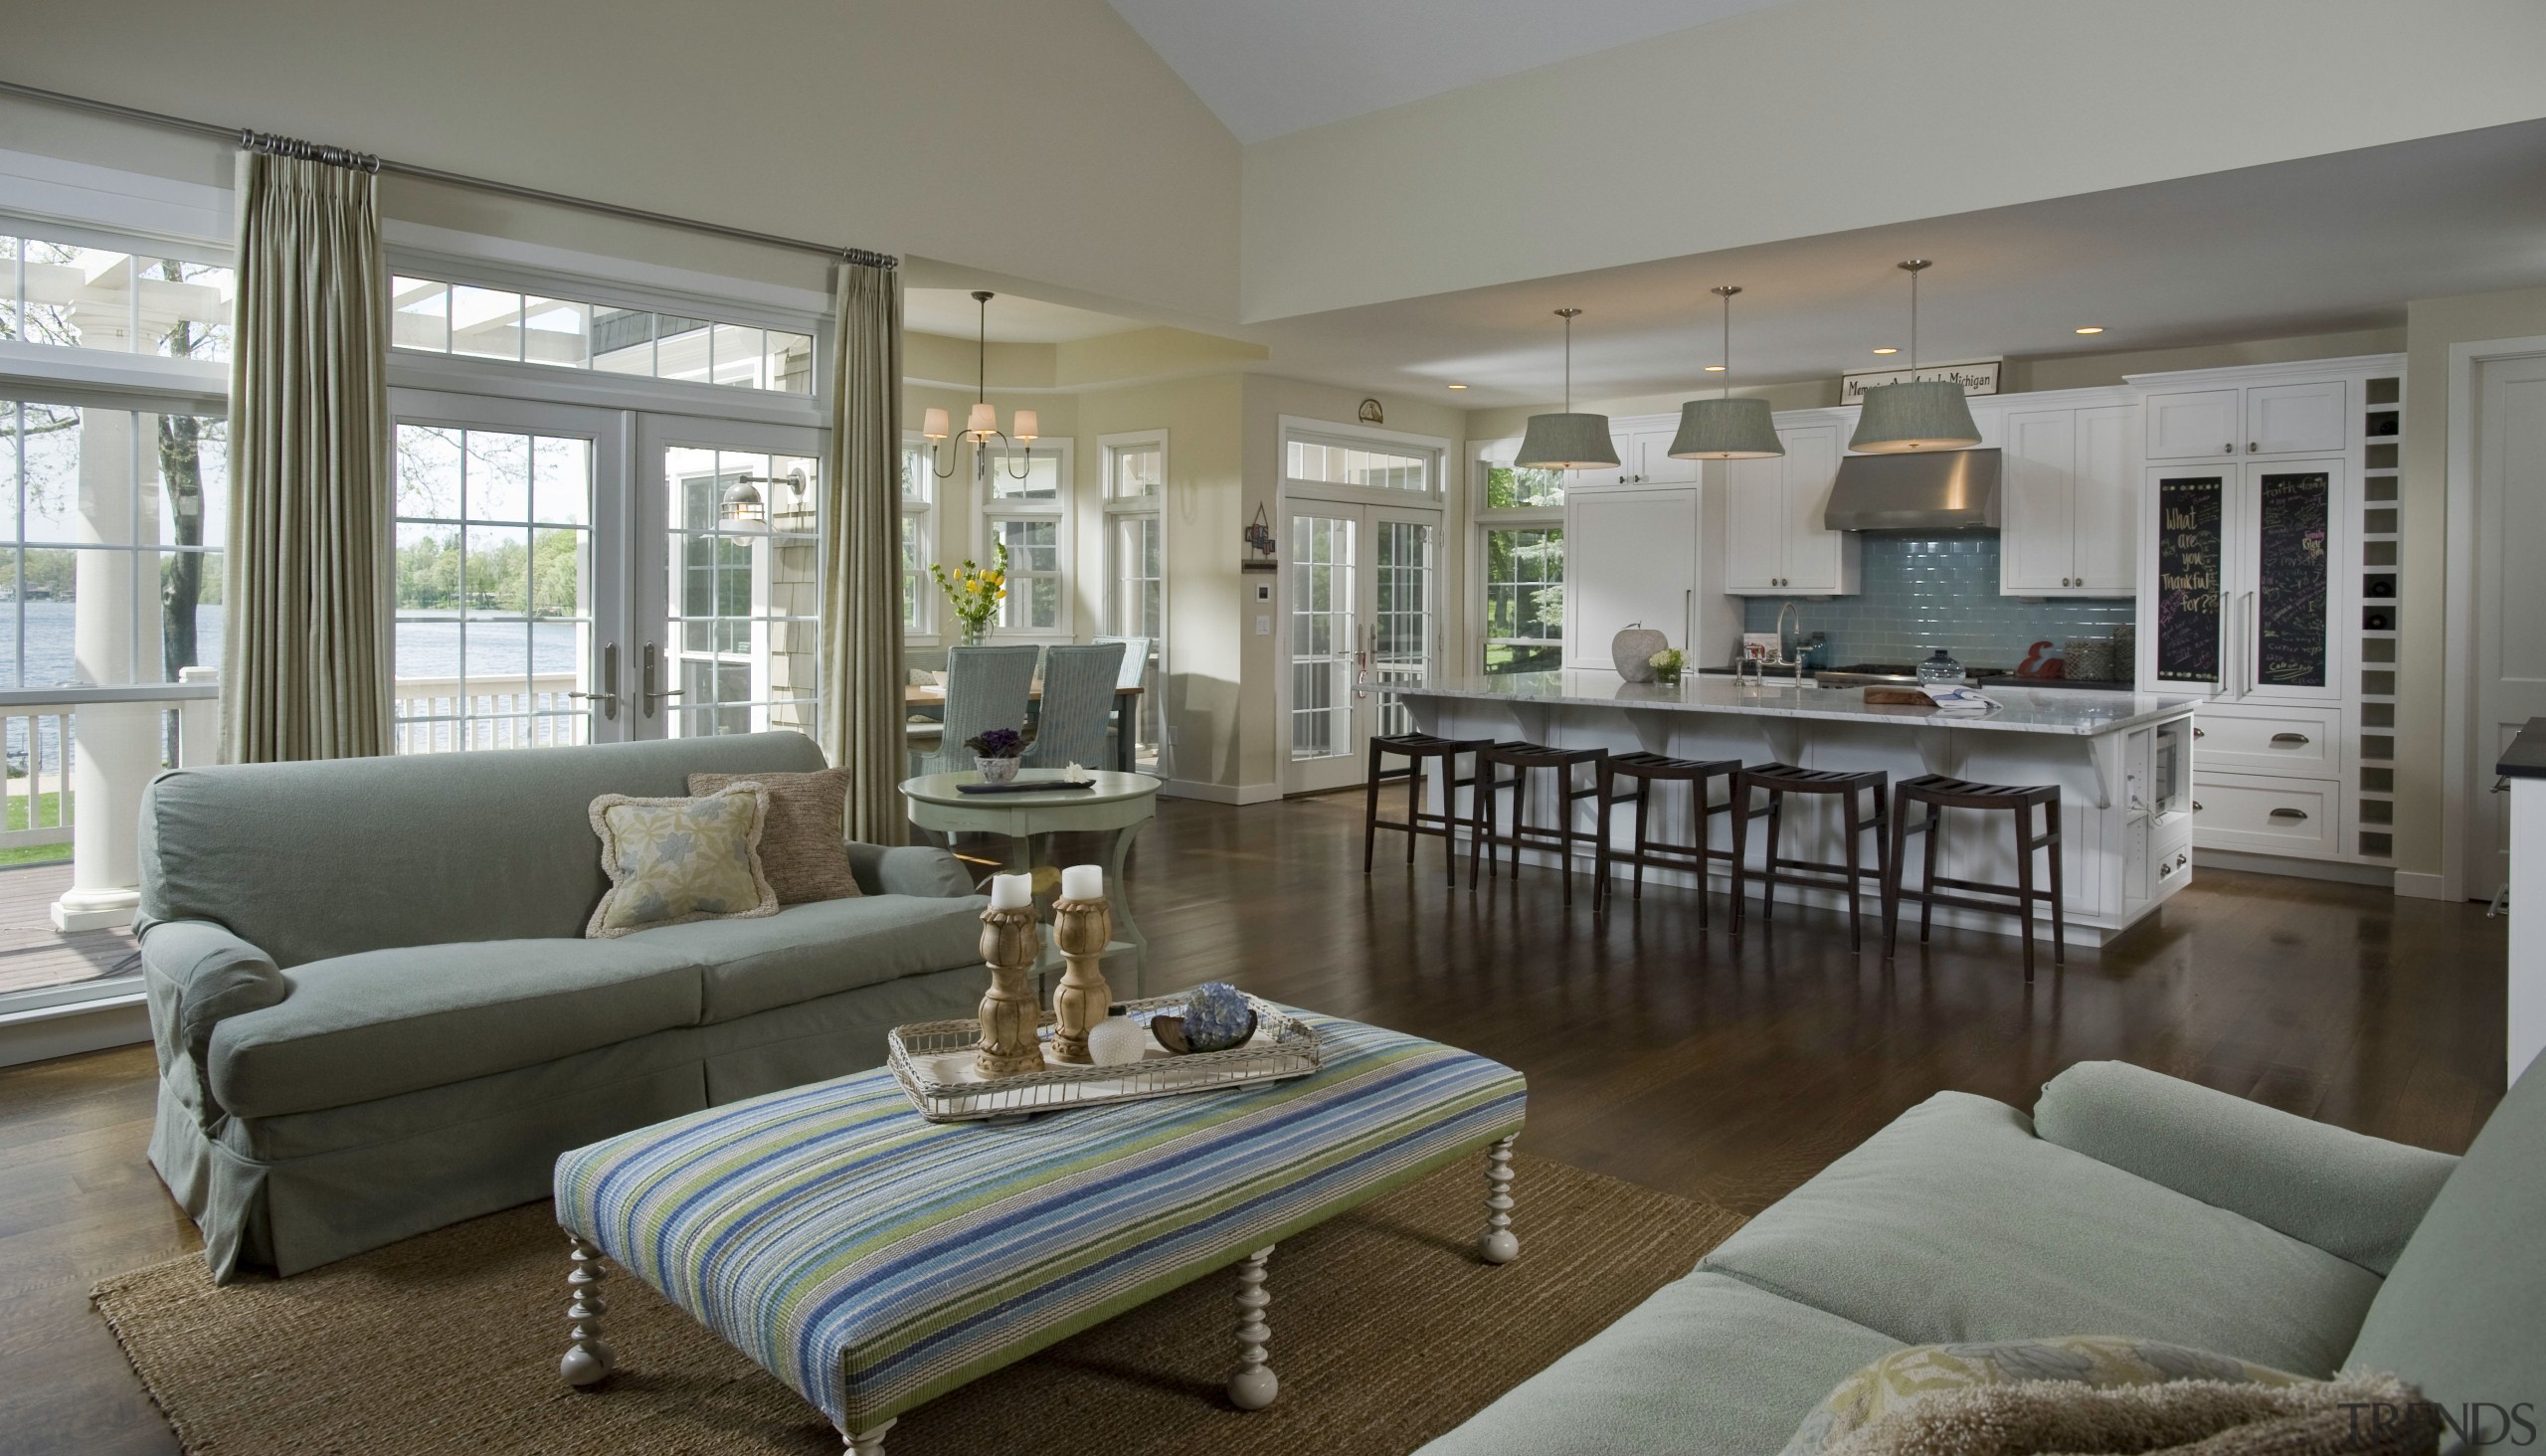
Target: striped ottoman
(872,1260)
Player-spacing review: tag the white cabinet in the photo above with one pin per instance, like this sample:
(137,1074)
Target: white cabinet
(2294,418)
(1773,539)
(2068,503)
(1633,558)
(2192,424)
(1644,458)
(2249,582)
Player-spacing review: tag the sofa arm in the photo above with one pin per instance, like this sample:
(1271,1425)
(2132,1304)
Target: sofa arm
(195,973)
(2353,1196)
(912,869)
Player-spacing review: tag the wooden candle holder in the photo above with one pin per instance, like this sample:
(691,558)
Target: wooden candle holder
(1081,929)
(1010,1013)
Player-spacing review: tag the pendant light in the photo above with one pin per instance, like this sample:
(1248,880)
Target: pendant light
(1726,429)
(1567,441)
(981,427)
(1920,414)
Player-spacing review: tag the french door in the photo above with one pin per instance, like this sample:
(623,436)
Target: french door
(1362,596)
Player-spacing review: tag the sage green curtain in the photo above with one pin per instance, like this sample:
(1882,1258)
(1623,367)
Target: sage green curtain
(304,656)
(862,713)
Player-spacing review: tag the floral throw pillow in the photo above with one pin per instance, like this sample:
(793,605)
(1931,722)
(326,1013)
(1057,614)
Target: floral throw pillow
(675,860)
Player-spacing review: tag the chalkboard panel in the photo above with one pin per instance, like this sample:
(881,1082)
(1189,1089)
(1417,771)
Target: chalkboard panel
(2289,584)
(2188,558)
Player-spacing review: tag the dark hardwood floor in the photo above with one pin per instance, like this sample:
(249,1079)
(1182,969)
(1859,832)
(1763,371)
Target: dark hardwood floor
(1655,1052)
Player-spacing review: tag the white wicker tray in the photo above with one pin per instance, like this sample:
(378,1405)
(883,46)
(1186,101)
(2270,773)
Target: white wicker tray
(934,1062)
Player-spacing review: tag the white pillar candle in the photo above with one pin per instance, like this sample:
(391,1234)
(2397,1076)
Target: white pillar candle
(1011,891)
(1084,882)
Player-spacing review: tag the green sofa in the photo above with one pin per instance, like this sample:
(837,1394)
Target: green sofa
(376,1012)
(2129,1204)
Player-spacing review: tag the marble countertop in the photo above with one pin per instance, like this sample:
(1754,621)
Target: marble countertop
(2078,713)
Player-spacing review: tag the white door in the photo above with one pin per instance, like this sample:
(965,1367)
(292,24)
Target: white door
(2037,493)
(511,596)
(1362,607)
(1754,525)
(1630,558)
(2511,593)
(2294,418)
(2191,424)
(2105,511)
(1817,558)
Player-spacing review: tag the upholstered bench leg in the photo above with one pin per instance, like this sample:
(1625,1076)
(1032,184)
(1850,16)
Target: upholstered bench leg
(586,1361)
(869,1442)
(1498,1245)
(1253,1386)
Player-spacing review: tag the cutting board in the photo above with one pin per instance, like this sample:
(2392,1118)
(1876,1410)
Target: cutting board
(1899,697)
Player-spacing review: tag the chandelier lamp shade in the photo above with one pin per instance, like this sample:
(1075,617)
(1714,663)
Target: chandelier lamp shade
(1566,441)
(1723,428)
(981,426)
(1918,414)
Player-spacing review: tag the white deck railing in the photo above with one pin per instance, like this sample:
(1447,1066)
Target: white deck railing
(40,731)
(434,714)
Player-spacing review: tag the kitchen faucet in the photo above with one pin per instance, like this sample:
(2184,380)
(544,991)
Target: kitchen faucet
(1797,613)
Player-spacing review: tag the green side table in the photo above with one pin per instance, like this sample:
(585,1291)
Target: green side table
(1120,804)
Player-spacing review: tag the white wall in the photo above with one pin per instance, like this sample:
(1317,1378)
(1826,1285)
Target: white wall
(1819,115)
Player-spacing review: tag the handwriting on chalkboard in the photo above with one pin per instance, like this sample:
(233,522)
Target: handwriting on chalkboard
(2188,561)
(2290,585)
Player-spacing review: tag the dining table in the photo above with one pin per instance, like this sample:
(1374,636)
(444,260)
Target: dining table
(1127,708)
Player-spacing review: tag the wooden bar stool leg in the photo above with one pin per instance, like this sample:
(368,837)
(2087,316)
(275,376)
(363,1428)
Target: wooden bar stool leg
(1927,884)
(1896,833)
(2024,880)
(1371,811)
(1776,842)
(1480,815)
(1413,807)
(1699,822)
(1740,853)
(1520,819)
(1643,838)
(2058,892)
(1602,780)
(1855,865)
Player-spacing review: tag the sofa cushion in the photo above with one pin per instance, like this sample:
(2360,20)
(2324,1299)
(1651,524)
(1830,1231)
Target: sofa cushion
(804,849)
(2463,1315)
(1956,1223)
(809,951)
(382,1022)
(1707,1365)
(675,860)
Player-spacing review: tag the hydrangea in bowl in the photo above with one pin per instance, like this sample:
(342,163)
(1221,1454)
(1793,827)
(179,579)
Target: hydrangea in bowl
(995,752)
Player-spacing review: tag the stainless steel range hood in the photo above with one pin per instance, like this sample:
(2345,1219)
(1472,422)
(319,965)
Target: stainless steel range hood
(1949,491)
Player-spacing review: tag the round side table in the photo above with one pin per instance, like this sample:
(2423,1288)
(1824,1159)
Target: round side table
(1119,803)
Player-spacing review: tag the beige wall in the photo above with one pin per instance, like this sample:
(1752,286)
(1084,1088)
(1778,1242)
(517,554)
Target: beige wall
(2432,325)
(1000,134)
(1816,116)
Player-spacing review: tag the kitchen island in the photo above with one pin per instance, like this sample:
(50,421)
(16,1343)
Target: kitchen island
(2122,762)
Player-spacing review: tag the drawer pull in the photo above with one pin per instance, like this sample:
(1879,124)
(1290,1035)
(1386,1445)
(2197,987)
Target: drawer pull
(2290,814)
(2196,806)
(2180,861)
(2292,737)
(2201,733)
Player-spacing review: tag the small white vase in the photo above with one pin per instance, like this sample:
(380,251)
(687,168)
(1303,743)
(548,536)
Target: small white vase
(995,771)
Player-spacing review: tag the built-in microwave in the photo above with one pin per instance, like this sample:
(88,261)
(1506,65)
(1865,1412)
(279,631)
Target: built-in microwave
(2170,768)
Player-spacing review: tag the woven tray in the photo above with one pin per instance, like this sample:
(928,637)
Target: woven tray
(932,1060)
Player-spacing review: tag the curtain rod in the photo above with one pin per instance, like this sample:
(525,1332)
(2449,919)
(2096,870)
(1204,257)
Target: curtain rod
(240,137)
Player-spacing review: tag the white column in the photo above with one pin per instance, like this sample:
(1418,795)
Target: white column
(115,746)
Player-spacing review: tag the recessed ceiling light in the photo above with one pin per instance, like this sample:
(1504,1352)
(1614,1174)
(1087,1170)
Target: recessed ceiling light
(1715,369)
(2092,329)
(1887,351)
(1458,386)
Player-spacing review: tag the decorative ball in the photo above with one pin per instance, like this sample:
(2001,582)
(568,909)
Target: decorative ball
(1217,1017)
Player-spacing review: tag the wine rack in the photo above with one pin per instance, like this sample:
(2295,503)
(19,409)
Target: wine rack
(2380,535)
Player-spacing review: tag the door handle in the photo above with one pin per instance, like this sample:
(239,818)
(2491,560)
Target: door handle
(2288,813)
(2291,738)
(655,694)
(608,697)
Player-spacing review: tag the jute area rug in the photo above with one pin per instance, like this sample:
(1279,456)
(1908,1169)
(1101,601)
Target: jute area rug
(1386,1331)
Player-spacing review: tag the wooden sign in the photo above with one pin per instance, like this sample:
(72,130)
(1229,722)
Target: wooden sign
(1977,378)
(2188,561)
(2290,585)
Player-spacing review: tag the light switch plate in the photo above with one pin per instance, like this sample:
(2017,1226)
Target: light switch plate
(1263,624)
(1263,591)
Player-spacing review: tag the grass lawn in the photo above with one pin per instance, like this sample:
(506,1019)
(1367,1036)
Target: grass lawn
(49,810)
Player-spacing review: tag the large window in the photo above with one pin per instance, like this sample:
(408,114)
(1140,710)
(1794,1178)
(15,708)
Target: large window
(437,317)
(495,608)
(126,302)
(746,599)
(919,498)
(1520,529)
(1030,517)
(1136,563)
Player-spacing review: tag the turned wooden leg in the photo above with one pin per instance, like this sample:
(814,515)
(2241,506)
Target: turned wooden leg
(1498,1245)
(868,1442)
(587,1361)
(1253,1386)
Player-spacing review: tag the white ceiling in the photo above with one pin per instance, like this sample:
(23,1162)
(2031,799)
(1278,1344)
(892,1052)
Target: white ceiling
(1014,317)
(1270,66)
(2321,245)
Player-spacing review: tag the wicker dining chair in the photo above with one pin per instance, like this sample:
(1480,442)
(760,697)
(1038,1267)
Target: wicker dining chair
(1079,683)
(985,689)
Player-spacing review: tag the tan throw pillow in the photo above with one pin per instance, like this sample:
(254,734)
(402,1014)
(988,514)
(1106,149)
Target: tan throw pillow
(803,849)
(675,860)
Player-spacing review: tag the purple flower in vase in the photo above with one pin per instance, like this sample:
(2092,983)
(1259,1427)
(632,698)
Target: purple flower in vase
(997,743)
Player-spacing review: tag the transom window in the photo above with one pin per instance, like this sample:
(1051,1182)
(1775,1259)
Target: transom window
(79,298)
(1371,467)
(434,316)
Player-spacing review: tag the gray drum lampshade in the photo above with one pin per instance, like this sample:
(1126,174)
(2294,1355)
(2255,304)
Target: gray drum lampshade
(1726,430)
(1927,414)
(1567,441)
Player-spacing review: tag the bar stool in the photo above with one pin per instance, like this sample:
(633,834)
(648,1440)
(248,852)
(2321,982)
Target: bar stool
(1939,794)
(1416,748)
(1648,769)
(1780,780)
(1523,759)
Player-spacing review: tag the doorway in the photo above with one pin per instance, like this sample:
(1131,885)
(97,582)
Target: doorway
(1361,609)
(2507,683)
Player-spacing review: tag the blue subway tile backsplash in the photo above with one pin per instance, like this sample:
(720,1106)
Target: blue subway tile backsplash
(1924,592)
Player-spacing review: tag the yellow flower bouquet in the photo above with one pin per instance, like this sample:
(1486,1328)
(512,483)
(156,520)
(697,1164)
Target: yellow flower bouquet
(975,593)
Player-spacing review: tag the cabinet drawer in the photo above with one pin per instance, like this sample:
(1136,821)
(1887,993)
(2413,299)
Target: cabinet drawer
(2265,814)
(2303,743)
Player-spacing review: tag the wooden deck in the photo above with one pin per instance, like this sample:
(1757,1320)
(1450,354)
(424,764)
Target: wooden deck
(32,952)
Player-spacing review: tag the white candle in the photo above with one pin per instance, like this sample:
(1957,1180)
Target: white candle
(1084,882)
(1011,891)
